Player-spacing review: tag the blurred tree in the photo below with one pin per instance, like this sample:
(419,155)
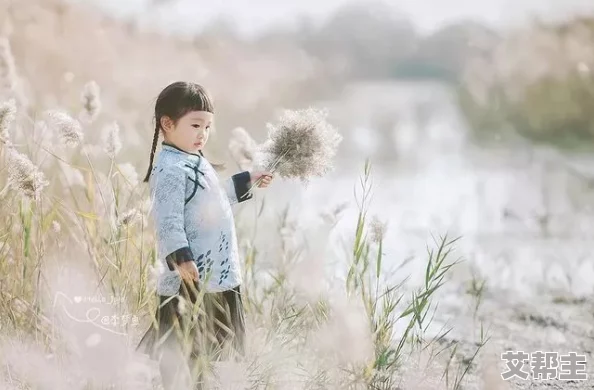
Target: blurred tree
(373,41)
(537,83)
(367,38)
(442,55)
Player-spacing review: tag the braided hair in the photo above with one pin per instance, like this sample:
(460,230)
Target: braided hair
(175,101)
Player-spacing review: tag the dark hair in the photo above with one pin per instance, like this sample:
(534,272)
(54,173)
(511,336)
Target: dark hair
(175,101)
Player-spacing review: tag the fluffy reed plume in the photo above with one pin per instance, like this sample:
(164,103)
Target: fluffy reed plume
(332,216)
(67,128)
(91,99)
(111,140)
(8,75)
(24,176)
(7,116)
(301,145)
(130,217)
(56,227)
(42,134)
(129,173)
(377,229)
(243,148)
(71,176)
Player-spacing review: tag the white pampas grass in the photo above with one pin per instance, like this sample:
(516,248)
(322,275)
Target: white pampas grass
(91,99)
(377,229)
(332,216)
(8,74)
(24,176)
(129,173)
(130,217)
(7,116)
(71,177)
(42,134)
(112,143)
(67,128)
(243,148)
(56,227)
(146,206)
(301,145)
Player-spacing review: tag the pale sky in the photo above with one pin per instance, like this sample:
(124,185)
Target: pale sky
(253,15)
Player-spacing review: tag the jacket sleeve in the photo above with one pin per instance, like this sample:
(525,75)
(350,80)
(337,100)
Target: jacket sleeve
(237,187)
(168,210)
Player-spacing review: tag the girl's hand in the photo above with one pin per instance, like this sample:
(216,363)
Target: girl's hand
(188,271)
(266,178)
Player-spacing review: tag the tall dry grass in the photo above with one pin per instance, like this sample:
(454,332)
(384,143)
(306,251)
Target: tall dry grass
(78,259)
(59,46)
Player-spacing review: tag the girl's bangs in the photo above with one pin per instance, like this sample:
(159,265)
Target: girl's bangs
(197,100)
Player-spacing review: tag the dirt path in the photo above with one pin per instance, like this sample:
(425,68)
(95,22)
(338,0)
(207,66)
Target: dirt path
(545,324)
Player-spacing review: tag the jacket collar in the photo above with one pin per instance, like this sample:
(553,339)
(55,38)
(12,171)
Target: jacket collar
(195,157)
(168,146)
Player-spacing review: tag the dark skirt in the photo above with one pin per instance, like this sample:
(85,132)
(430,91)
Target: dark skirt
(185,338)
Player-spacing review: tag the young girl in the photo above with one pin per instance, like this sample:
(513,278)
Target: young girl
(196,239)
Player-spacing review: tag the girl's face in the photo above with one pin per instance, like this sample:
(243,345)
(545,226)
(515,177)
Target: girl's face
(191,131)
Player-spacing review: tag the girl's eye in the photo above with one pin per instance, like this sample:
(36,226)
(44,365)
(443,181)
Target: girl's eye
(196,126)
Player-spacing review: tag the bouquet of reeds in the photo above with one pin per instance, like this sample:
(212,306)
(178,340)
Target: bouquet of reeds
(302,144)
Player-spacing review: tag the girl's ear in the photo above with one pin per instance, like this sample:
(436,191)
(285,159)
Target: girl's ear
(167,124)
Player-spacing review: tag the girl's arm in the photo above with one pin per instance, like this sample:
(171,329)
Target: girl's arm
(237,187)
(168,208)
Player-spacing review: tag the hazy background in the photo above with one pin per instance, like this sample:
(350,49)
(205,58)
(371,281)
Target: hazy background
(477,116)
(189,16)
